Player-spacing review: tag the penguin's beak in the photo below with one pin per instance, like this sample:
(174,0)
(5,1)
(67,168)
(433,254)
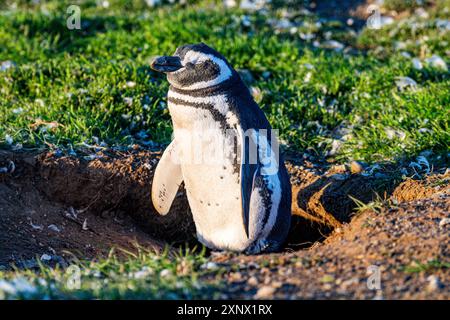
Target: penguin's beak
(166,63)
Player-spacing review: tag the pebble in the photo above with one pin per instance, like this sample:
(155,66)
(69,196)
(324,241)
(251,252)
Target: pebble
(235,277)
(209,266)
(165,273)
(46,257)
(265,292)
(338,168)
(433,283)
(444,222)
(356,167)
(252,281)
(54,228)
(5,65)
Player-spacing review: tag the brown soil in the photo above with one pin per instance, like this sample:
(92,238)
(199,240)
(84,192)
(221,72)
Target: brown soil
(105,202)
(408,243)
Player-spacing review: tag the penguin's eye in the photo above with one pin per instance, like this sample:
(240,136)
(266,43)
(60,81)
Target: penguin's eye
(189,65)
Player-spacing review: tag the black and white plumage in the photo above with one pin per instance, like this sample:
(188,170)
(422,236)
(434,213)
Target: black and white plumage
(240,201)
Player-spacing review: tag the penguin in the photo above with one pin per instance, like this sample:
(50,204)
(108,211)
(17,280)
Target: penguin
(225,152)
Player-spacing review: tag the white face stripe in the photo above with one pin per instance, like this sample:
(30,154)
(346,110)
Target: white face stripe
(196,57)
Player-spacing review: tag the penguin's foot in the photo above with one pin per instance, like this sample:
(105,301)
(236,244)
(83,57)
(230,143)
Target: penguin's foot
(263,246)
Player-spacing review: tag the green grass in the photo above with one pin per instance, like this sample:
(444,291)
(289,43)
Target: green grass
(427,267)
(145,275)
(76,80)
(94,85)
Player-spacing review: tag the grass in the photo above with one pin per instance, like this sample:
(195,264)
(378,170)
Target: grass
(94,85)
(376,206)
(145,275)
(427,267)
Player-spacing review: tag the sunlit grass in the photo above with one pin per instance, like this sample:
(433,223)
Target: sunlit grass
(79,80)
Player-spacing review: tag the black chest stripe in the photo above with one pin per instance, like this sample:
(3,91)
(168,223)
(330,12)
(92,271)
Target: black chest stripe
(218,117)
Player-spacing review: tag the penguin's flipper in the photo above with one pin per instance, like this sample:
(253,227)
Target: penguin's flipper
(166,180)
(249,172)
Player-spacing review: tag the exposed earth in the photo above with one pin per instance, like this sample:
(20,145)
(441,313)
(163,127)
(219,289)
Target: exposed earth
(348,221)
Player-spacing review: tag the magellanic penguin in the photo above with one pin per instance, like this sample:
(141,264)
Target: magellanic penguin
(225,152)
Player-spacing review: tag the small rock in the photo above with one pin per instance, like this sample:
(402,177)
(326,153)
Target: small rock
(333,44)
(54,228)
(9,140)
(129,102)
(46,257)
(252,281)
(437,62)
(165,273)
(338,168)
(265,292)
(85,225)
(405,82)
(444,222)
(253,265)
(417,64)
(356,167)
(327,286)
(335,147)
(36,226)
(209,266)
(235,277)
(434,283)
(8,64)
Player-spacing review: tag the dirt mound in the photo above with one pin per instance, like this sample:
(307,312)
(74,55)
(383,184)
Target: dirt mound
(410,189)
(406,247)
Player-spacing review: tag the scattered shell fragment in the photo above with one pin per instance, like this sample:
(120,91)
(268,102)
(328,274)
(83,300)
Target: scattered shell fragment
(46,257)
(36,226)
(437,62)
(444,222)
(405,82)
(417,64)
(54,228)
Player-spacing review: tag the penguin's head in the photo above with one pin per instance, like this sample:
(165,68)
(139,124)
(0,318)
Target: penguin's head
(194,66)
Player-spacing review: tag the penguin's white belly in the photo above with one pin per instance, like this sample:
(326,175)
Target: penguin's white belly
(211,178)
(216,206)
